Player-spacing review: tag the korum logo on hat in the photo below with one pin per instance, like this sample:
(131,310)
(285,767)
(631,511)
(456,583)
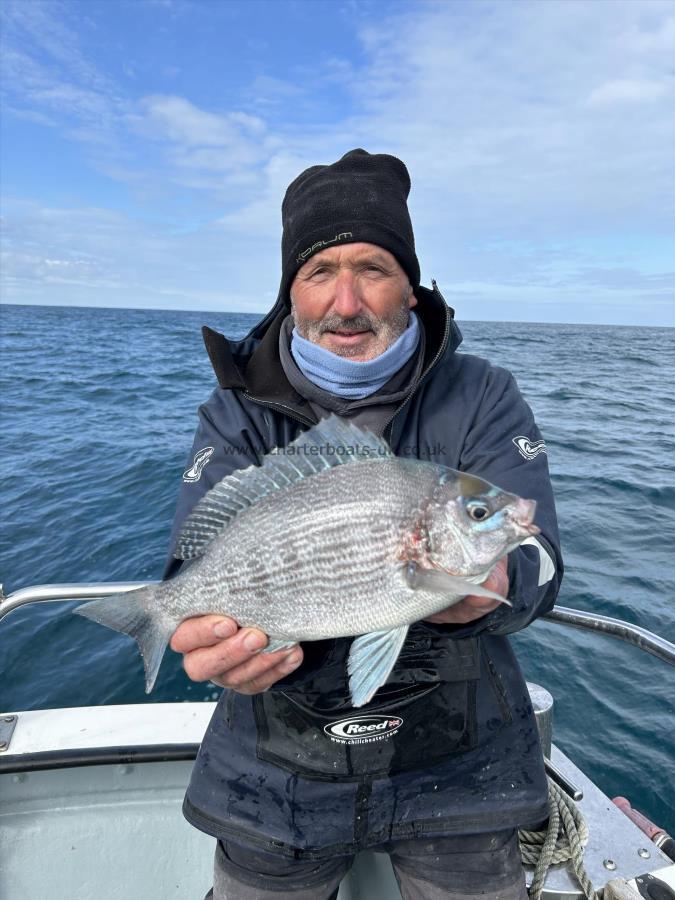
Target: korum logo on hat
(321,245)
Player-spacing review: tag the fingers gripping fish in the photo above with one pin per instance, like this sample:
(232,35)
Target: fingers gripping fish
(332,536)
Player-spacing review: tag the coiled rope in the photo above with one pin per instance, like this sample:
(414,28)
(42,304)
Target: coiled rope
(564,839)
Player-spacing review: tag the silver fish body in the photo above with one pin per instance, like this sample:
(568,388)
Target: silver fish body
(320,559)
(326,547)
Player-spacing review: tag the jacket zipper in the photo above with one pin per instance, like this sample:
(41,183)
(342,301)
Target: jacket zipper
(281,407)
(388,427)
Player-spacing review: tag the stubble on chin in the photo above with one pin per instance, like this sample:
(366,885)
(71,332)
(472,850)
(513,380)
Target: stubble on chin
(382,331)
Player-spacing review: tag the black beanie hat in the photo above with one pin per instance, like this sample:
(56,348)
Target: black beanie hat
(361,197)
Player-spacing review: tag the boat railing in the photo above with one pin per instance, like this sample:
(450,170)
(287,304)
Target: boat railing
(625,631)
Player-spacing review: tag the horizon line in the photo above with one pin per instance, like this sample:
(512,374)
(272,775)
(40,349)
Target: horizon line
(261,314)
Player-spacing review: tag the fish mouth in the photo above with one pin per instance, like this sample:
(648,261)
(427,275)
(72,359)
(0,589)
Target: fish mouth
(531,529)
(523,516)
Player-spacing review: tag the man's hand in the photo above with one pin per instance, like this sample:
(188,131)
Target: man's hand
(215,649)
(472,607)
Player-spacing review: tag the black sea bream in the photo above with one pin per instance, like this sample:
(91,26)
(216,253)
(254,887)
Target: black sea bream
(332,536)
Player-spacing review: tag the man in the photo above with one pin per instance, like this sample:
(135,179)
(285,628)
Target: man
(458,767)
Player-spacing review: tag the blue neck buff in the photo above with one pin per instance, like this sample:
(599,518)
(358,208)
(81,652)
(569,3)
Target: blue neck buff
(347,377)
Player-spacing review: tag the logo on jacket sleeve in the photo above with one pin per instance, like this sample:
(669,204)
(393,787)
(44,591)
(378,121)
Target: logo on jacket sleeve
(363,729)
(528,449)
(194,473)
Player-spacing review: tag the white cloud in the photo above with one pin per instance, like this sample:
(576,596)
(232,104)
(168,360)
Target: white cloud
(626,90)
(491,115)
(183,122)
(92,256)
(655,35)
(44,27)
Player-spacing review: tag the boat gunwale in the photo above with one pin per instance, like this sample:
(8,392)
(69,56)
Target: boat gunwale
(96,756)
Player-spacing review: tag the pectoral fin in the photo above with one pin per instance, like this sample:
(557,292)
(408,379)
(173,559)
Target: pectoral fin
(371,659)
(453,586)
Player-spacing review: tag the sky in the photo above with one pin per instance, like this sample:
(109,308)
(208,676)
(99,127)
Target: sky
(146,146)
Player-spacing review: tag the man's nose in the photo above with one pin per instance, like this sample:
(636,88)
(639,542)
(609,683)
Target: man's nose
(347,300)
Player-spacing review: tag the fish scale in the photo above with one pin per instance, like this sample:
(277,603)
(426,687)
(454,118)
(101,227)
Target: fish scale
(317,546)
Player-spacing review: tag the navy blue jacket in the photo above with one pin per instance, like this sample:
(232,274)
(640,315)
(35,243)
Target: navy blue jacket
(451,746)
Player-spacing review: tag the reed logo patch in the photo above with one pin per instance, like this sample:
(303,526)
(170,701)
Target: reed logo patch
(194,473)
(363,729)
(528,449)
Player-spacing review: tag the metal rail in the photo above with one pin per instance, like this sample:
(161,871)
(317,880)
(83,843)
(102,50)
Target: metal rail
(624,631)
(41,593)
(632,634)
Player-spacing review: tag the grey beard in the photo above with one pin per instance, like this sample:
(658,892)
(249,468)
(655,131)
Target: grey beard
(387,329)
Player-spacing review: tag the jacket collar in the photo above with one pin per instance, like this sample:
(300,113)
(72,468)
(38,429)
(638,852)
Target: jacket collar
(253,364)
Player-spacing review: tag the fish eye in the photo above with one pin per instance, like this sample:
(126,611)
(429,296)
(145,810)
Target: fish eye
(477,511)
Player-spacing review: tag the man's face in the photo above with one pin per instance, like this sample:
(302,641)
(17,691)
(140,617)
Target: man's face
(352,300)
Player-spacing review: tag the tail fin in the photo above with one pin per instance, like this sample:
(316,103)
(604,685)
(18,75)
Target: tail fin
(137,614)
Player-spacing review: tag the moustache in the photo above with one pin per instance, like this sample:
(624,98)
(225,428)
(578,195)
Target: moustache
(340,324)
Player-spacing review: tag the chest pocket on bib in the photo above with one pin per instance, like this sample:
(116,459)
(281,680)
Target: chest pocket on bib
(411,722)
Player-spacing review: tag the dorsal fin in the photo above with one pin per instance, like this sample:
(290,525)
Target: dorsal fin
(333,442)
